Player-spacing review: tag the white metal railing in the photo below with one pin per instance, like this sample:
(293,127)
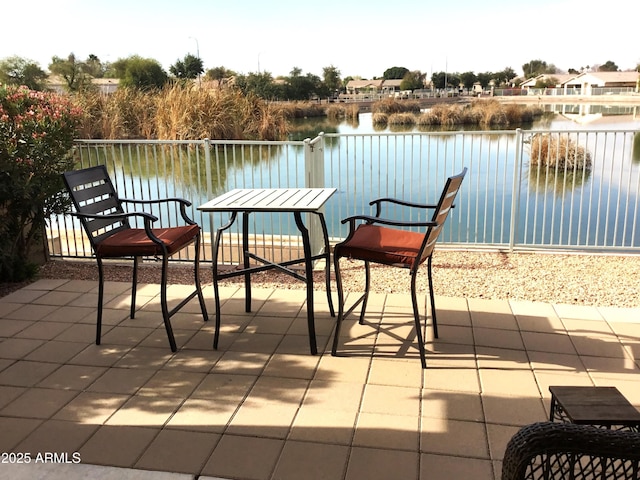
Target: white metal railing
(506,202)
(195,170)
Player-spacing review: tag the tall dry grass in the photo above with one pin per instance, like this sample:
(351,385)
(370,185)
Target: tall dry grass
(339,111)
(391,106)
(485,113)
(300,109)
(490,113)
(380,119)
(180,112)
(402,119)
(352,112)
(558,152)
(123,114)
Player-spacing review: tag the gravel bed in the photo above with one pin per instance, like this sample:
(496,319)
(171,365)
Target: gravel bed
(595,280)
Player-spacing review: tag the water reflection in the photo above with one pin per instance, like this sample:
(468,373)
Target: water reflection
(300,129)
(558,181)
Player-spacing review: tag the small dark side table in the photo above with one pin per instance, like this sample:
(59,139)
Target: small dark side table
(599,406)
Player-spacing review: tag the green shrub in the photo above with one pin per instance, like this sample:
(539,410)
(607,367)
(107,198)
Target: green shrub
(37,130)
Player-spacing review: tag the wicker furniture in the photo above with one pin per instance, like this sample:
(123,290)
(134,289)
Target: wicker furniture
(107,226)
(375,240)
(551,450)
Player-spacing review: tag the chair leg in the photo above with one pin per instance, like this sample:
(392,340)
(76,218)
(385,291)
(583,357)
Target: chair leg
(432,299)
(100,299)
(134,287)
(163,303)
(365,297)
(336,335)
(416,317)
(196,271)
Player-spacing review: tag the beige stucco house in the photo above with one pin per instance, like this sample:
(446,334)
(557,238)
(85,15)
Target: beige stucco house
(364,86)
(558,79)
(587,81)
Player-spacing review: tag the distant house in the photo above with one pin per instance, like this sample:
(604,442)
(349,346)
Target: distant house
(558,79)
(364,86)
(374,86)
(589,80)
(391,86)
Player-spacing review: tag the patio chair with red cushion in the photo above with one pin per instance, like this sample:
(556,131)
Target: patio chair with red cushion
(111,235)
(376,241)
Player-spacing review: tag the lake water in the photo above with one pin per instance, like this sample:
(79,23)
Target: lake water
(592,117)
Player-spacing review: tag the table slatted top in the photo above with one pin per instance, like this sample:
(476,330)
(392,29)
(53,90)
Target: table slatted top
(596,405)
(269,200)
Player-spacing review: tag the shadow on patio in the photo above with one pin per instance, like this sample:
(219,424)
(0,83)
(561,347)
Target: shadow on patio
(262,407)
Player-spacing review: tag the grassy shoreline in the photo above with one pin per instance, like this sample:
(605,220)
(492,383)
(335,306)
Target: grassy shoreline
(180,112)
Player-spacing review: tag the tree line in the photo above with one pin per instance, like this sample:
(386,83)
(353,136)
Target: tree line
(147,73)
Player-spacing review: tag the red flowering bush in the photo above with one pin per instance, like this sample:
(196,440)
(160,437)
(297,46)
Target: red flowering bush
(36,139)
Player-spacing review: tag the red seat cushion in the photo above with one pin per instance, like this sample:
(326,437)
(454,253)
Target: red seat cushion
(382,245)
(135,242)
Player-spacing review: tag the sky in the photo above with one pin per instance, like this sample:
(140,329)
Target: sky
(359,38)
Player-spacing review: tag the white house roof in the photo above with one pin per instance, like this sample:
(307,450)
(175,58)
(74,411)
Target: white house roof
(392,83)
(601,79)
(560,78)
(364,83)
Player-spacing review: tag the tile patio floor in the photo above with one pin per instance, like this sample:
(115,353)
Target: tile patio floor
(262,407)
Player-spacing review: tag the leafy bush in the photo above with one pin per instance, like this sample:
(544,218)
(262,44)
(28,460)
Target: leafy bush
(36,136)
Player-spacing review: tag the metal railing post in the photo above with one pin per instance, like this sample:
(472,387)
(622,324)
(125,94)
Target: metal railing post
(314,161)
(515,191)
(314,178)
(206,145)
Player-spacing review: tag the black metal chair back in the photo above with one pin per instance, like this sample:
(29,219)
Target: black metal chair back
(442,210)
(109,230)
(92,193)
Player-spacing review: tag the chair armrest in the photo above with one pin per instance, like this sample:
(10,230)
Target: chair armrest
(379,201)
(386,221)
(147,217)
(396,201)
(183,205)
(537,449)
(187,203)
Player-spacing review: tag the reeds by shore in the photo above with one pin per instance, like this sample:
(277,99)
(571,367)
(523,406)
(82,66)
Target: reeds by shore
(183,112)
(485,113)
(558,151)
(180,112)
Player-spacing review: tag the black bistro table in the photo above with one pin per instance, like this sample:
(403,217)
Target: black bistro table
(280,200)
